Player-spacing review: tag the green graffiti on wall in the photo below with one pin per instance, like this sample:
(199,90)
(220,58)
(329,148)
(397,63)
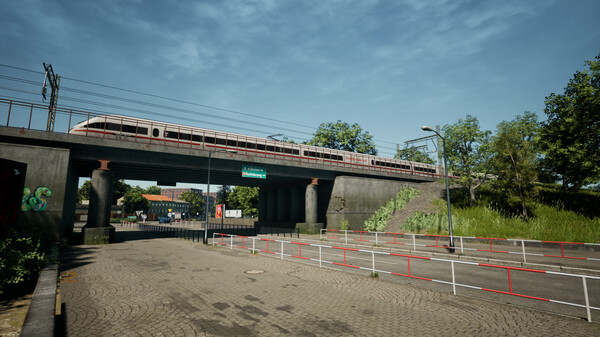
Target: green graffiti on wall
(35,201)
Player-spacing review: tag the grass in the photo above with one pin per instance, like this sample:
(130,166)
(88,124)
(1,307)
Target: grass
(549,222)
(378,221)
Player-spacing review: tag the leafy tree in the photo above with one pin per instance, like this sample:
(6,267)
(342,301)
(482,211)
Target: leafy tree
(570,138)
(468,153)
(514,157)
(413,154)
(134,201)
(152,190)
(119,190)
(343,136)
(222,194)
(244,198)
(83,193)
(195,200)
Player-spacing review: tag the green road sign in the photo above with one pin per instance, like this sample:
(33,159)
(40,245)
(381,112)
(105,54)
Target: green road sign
(254,172)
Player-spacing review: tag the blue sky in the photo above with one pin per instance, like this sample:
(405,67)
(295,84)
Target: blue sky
(390,66)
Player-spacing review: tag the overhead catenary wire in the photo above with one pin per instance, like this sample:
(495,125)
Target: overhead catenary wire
(134,101)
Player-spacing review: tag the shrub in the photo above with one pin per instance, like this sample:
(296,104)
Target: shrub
(22,257)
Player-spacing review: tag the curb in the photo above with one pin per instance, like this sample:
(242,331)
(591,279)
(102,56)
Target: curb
(40,319)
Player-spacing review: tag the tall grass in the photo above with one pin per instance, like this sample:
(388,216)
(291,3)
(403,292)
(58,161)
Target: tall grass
(550,223)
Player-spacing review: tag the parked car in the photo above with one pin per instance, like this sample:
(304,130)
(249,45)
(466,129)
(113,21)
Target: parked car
(164,220)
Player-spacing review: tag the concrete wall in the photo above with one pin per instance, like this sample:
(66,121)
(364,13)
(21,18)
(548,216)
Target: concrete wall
(356,199)
(49,168)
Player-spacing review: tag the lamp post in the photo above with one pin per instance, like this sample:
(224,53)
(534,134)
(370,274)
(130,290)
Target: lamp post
(208,191)
(427,128)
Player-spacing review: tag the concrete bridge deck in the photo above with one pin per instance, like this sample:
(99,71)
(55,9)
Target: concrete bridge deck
(144,285)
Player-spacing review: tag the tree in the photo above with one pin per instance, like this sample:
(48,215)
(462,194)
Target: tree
(468,153)
(514,157)
(222,194)
(134,201)
(343,136)
(152,190)
(195,200)
(244,198)
(413,154)
(119,190)
(570,138)
(83,193)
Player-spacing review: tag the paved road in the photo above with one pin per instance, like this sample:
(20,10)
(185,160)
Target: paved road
(170,287)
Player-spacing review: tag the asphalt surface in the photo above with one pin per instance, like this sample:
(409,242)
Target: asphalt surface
(145,285)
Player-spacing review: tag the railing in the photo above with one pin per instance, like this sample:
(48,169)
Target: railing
(519,282)
(554,249)
(33,116)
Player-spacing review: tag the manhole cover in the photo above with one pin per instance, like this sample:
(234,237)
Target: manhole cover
(254,271)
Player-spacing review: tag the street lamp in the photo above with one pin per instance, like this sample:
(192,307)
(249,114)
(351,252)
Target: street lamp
(208,190)
(427,128)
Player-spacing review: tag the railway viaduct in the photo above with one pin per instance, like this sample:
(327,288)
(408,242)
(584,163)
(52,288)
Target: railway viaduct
(297,192)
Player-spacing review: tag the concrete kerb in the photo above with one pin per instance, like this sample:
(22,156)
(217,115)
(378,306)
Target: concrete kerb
(40,318)
(581,271)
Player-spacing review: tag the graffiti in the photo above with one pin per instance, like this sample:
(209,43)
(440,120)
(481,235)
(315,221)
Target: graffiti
(35,201)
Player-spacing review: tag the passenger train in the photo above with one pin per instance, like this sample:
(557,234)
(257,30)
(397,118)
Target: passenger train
(148,131)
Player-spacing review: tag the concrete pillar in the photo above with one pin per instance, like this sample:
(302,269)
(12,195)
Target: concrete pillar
(271,205)
(98,229)
(311,201)
(262,205)
(297,204)
(283,206)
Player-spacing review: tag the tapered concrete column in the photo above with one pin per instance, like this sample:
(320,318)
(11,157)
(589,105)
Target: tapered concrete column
(311,201)
(262,205)
(98,229)
(283,205)
(271,205)
(297,204)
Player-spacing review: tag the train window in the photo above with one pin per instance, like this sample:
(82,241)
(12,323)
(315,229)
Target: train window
(278,149)
(221,141)
(155,132)
(231,142)
(210,140)
(250,146)
(270,148)
(185,136)
(241,144)
(326,156)
(197,138)
(260,147)
(287,150)
(340,158)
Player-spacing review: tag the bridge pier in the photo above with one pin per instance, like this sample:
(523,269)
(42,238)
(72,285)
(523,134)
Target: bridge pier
(98,229)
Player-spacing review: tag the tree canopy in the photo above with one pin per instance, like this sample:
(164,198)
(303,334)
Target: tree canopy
(119,190)
(343,136)
(514,157)
(468,152)
(134,201)
(570,138)
(195,200)
(414,154)
(244,198)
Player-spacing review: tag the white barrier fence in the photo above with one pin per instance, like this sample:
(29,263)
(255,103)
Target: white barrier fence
(493,245)
(400,265)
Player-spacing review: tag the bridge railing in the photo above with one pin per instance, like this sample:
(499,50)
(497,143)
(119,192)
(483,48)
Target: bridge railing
(34,116)
(426,242)
(566,289)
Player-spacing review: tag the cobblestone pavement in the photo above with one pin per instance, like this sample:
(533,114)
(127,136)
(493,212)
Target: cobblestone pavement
(148,286)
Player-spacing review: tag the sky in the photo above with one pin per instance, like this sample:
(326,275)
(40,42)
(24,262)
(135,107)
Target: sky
(269,67)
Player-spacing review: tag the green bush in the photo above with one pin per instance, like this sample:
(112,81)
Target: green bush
(118,220)
(22,257)
(378,221)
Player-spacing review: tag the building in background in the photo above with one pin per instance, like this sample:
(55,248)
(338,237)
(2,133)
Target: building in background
(160,205)
(174,193)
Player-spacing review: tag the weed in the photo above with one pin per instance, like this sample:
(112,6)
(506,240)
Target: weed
(374,274)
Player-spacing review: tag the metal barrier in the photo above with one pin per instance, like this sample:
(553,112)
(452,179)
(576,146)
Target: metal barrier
(314,253)
(490,245)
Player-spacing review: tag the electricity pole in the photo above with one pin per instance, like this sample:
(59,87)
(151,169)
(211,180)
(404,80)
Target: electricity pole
(54,81)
